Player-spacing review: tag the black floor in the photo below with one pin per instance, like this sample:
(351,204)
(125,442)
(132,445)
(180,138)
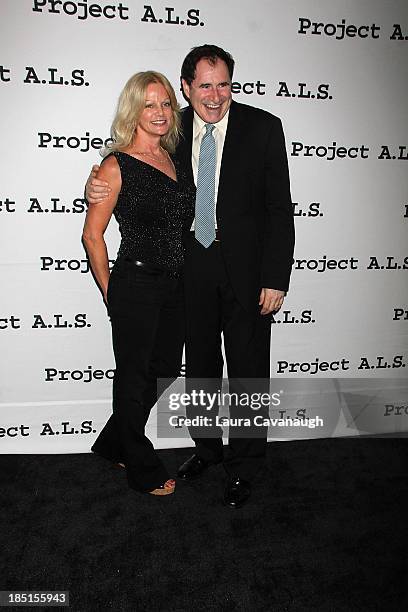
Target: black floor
(325,530)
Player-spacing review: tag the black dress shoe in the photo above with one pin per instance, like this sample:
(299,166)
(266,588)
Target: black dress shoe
(237,492)
(193,467)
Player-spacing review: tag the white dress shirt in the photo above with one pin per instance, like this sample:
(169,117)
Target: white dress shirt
(219,137)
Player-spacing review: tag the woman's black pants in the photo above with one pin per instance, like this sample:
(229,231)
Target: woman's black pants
(146,308)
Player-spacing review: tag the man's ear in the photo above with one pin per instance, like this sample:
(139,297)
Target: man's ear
(186,88)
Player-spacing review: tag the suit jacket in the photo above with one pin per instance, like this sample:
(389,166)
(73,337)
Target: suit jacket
(254,209)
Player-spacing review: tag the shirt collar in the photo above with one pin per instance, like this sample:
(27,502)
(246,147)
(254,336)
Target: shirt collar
(198,124)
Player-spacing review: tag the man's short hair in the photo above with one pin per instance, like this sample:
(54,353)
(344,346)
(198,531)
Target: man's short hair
(212,53)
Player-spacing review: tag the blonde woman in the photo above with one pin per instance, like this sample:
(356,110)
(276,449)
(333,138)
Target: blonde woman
(153,203)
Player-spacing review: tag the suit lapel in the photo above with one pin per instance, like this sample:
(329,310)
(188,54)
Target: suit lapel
(186,141)
(232,146)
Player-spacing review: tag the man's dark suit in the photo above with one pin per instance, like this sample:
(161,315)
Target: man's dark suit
(223,283)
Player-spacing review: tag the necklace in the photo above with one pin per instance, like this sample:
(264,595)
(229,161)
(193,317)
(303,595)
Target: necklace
(153,157)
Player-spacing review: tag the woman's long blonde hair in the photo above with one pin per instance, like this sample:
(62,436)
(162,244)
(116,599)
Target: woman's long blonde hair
(130,106)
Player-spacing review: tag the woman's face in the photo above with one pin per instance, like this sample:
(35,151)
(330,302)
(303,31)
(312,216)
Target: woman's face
(157,116)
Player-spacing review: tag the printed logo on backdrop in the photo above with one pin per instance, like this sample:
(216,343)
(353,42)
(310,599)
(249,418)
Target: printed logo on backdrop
(363,364)
(66,428)
(290,317)
(345,30)
(51,321)
(86,375)
(47,429)
(146,13)
(82,143)
(282,89)
(53,264)
(303,91)
(333,151)
(312,211)
(171,16)
(326,264)
(54,205)
(75,79)
(248,88)
(48,76)
(82,9)
(77,206)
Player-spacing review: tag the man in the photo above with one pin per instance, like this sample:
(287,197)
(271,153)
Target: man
(239,254)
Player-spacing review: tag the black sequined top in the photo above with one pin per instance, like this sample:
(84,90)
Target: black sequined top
(153,212)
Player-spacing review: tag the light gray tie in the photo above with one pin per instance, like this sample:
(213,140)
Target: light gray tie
(205,198)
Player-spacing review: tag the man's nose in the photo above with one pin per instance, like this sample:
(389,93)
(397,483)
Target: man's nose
(215,94)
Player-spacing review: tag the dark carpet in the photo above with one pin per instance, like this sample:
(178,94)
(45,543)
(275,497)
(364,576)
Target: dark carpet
(326,529)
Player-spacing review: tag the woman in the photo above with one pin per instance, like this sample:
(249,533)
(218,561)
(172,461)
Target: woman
(153,203)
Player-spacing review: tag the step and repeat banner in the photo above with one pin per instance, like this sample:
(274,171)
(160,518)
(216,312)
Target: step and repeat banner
(335,73)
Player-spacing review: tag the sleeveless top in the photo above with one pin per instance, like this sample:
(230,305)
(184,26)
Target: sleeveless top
(153,211)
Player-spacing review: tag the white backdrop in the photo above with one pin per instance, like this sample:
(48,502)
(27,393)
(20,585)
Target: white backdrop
(335,72)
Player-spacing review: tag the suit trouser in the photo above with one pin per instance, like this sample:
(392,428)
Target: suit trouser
(147,316)
(211,310)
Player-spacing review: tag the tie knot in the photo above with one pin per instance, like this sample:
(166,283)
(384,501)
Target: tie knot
(209,128)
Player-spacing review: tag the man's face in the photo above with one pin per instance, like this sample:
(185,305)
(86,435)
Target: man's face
(210,92)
